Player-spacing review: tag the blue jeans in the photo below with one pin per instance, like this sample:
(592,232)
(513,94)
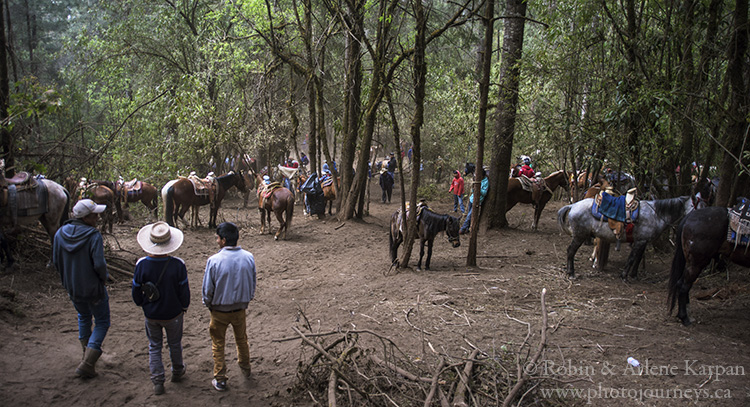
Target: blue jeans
(458,201)
(155,332)
(467,222)
(99,310)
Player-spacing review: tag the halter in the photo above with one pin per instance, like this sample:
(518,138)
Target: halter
(451,239)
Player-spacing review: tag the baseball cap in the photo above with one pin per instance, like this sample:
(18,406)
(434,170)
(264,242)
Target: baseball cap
(86,207)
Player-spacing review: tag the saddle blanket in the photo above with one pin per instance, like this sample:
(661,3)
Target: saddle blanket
(613,207)
(27,202)
(200,186)
(739,223)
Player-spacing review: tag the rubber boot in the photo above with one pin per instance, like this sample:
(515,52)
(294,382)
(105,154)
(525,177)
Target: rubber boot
(84,343)
(86,369)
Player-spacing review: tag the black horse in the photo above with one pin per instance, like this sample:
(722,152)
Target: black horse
(701,237)
(428,226)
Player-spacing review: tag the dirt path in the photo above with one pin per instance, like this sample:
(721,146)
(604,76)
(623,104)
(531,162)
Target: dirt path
(334,278)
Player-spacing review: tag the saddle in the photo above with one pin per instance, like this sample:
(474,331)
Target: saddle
(534,185)
(619,211)
(23,198)
(131,189)
(421,206)
(738,233)
(266,193)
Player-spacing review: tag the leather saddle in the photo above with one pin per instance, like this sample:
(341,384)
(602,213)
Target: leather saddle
(534,185)
(619,211)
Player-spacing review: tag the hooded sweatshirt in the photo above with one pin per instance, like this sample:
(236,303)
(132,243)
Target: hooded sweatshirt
(78,254)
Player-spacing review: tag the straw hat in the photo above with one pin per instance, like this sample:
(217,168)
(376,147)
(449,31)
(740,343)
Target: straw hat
(383,170)
(159,238)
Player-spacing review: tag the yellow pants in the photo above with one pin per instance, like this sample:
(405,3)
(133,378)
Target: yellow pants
(218,330)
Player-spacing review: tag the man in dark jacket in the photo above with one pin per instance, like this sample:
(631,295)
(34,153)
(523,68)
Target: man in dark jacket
(78,254)
(228,286)
(392,164)
(386,184)
(164,312)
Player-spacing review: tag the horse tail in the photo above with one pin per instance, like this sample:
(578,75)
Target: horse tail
(169,206)
(678,268)
(289,214)
(562,219)
(66,210)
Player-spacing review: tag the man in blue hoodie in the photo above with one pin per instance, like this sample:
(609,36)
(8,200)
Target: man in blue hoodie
(228,286)
(160,286)
(78,254)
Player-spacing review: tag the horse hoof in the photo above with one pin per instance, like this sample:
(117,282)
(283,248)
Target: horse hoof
(571,276)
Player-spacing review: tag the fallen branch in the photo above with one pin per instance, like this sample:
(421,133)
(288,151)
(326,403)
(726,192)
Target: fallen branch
(522,375)
(412,325)
(433,386)
(459,399)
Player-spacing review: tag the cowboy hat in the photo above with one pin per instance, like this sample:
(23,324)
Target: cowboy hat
(159,238)
(383,170)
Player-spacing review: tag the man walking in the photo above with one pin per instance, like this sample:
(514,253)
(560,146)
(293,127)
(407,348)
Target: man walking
(78,255)
(228,286)
(160,286)
(386,184)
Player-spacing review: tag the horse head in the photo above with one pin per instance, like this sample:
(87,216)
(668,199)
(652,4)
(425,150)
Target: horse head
(452,228)
(240,181)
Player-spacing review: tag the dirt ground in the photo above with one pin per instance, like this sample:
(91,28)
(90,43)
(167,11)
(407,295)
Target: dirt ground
(334,276)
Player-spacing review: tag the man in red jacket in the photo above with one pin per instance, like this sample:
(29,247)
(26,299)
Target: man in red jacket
(457,188)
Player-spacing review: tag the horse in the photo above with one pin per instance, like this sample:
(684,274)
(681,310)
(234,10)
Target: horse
(58,204)
(429,224)
(99,192)
(701,237)
(576,220)
(179,195)
(280,201)
(146,194)
(516,194)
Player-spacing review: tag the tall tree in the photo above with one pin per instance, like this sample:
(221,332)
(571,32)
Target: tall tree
(737,133)
(484,91)
(507,105)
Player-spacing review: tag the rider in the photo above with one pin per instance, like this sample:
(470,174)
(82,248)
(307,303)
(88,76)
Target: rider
(526,168)
(304,160)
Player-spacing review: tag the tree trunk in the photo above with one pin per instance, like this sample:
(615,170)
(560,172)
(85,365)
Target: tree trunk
(420,73)
(484,90)
(506,111)
(737,132)
(5,138)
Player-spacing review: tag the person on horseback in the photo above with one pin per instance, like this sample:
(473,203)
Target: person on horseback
(304,160)
(526,169)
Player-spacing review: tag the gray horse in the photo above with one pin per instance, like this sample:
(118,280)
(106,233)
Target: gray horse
(576,220)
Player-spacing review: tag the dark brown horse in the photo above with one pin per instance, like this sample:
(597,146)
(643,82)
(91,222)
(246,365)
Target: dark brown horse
(98,192)
(278,200)
(429,225)
(179,196)
(516,194)
(139,192)
(701,237)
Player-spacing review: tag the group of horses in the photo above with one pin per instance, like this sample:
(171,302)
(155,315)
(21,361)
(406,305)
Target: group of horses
(701,236)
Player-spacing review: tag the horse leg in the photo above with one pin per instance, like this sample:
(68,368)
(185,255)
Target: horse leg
(631,265)
(572,249)
(282,224)
(421,254)
(429,254)
(262,213)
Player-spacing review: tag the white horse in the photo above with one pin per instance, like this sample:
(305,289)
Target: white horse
(654,217)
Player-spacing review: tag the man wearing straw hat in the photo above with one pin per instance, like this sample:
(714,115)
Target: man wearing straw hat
(228,286)
(160,286)
(78,255)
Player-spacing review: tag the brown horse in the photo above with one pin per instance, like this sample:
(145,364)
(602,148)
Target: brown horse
(146,194)
(179,196)
(278,200)
(516,193)
(103,196)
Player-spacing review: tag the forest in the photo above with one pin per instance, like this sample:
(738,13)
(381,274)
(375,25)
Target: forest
(153,89)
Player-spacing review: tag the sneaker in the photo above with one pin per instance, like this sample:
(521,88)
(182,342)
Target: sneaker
(177,375)
(159,389)
(220,385)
